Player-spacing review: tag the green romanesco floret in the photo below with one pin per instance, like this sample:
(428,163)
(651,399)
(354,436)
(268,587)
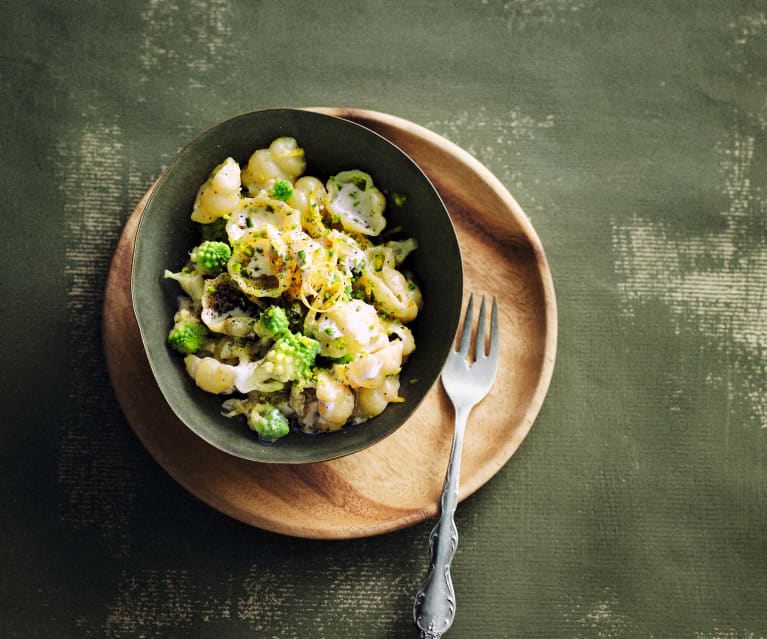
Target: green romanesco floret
(272,322)
(187,336)
(282,190)
(292,357)
(269,422)
(212,257)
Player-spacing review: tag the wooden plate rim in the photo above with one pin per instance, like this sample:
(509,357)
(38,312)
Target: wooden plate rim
(378,122)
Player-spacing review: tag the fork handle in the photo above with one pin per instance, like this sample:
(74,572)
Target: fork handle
(434,606)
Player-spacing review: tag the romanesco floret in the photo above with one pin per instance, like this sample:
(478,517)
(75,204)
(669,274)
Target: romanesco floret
(270,423)
(272,322)
(282,190)
(212,257)
(292,357)
(187,336)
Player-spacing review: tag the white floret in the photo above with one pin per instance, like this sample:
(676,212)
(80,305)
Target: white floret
(192,283)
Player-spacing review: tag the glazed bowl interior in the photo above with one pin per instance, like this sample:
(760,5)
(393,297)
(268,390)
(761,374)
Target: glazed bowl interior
(166,234)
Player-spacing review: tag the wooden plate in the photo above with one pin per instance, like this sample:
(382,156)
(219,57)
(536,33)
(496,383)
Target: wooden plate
(397,482)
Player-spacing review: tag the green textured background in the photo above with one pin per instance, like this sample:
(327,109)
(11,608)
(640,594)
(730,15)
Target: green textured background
(634,136)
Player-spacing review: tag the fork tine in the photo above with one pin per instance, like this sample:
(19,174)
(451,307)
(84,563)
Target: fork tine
(480,340)
(493,353)
(463,348)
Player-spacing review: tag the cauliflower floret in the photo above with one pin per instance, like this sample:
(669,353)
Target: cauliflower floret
(219,194)
(356,202)
(190,281)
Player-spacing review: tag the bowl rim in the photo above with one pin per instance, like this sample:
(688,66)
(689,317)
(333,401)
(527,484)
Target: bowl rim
(341,451)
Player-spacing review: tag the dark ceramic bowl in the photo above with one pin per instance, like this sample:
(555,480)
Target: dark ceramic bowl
(166,234)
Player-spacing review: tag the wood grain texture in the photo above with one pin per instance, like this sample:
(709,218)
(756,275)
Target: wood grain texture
(397,482)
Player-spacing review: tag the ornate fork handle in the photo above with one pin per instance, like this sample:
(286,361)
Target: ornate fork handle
(465,384)
(434,607)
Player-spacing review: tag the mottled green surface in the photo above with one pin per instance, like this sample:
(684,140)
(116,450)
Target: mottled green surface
(633,134)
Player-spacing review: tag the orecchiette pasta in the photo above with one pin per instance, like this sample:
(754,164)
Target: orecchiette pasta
(358,204)
(308,314)
(394,293)
(224,309)
(260,212)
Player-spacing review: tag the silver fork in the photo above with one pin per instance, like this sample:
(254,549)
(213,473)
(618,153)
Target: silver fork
(466,383)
